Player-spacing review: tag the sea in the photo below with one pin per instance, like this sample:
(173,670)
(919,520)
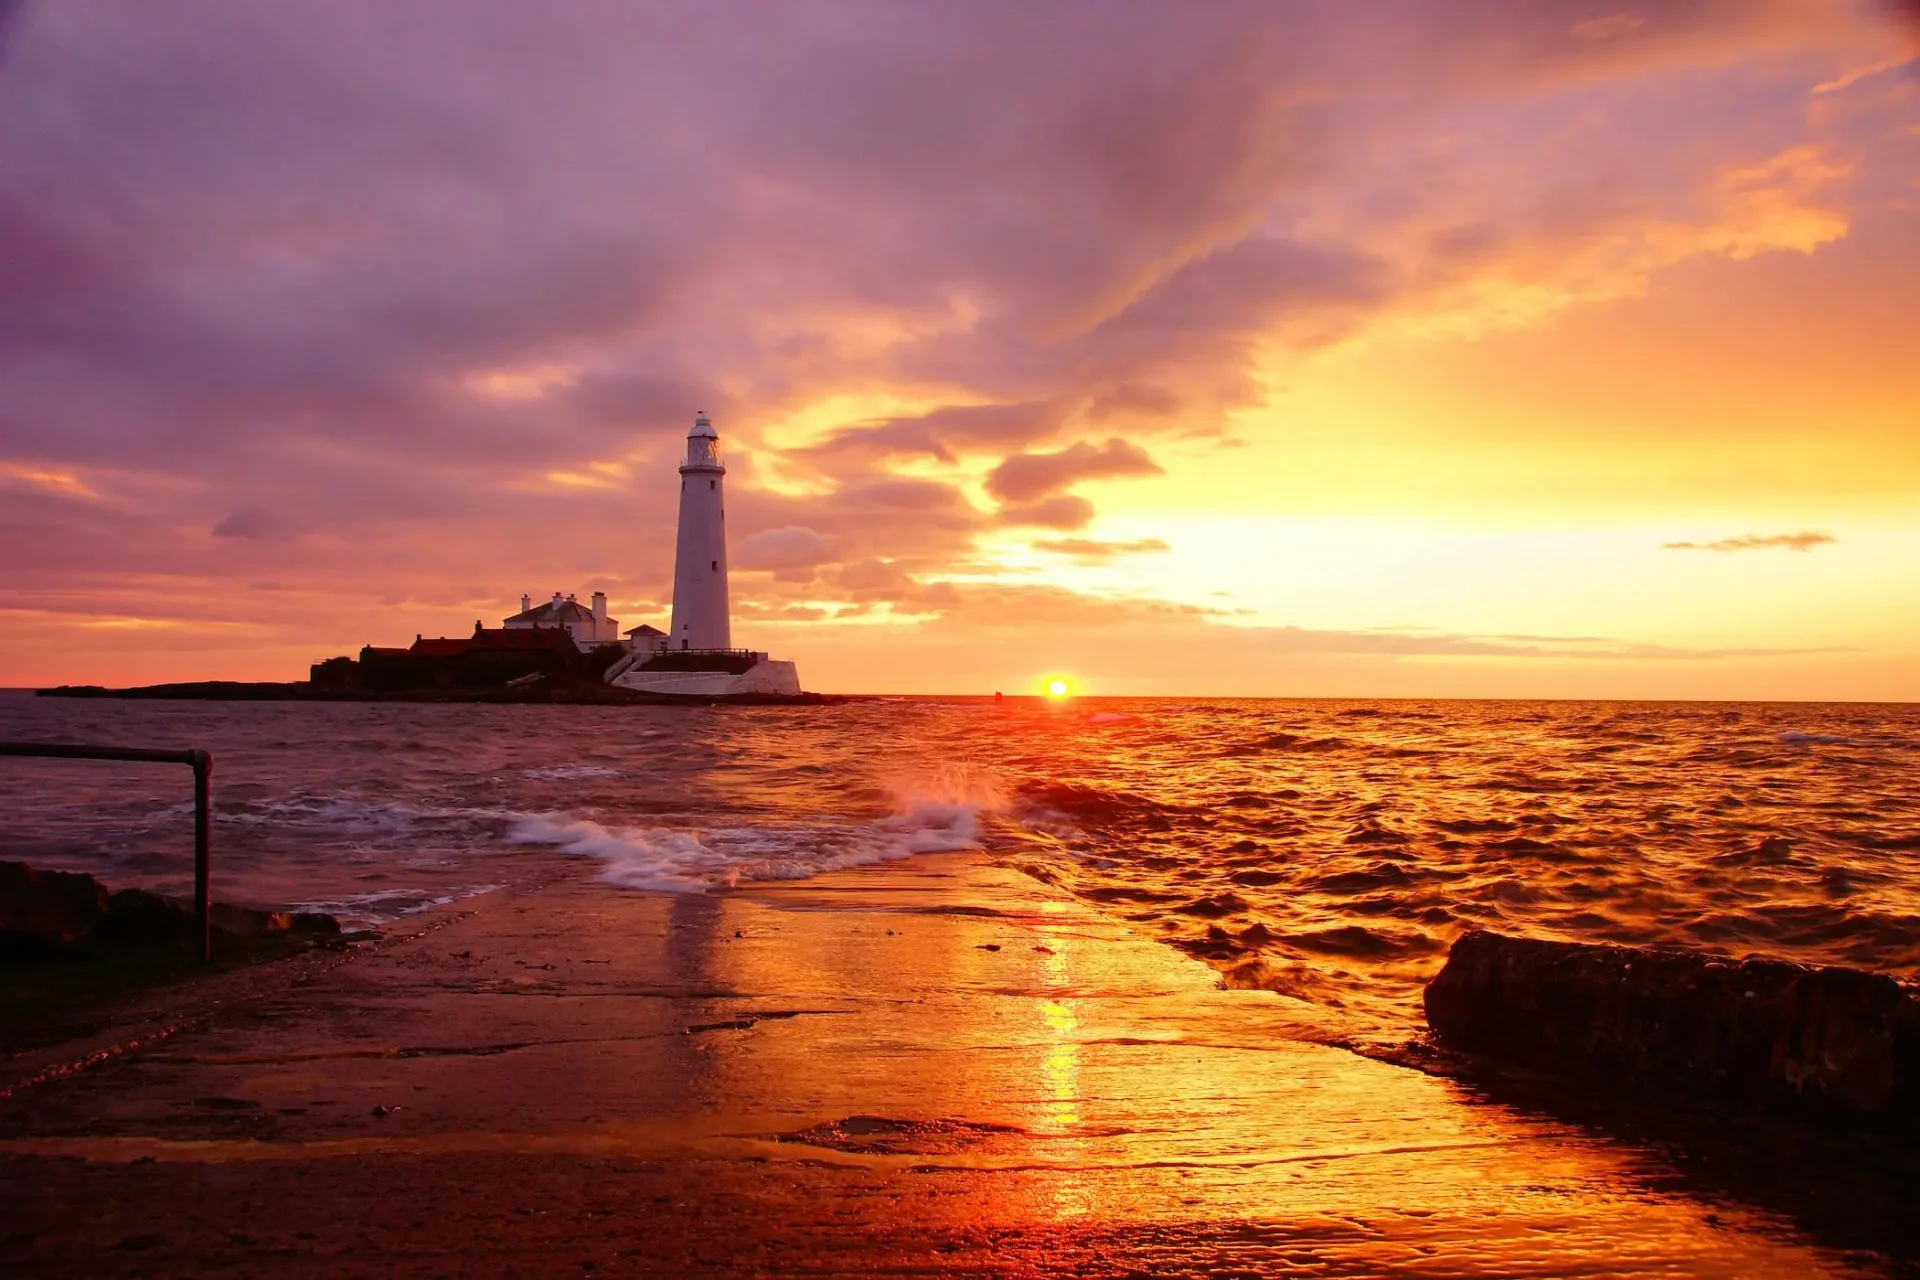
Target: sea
(1330,851)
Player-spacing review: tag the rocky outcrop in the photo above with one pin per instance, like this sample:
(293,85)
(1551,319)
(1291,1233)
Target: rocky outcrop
(44,911)
(1749,1030)
(589,693)
(47,913)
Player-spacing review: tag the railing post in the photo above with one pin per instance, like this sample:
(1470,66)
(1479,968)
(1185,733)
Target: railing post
(201,763)
(202,872)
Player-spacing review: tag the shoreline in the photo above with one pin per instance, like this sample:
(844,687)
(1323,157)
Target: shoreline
(570,694)
(934,1063)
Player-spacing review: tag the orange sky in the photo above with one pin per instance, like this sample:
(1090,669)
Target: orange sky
(1508,348)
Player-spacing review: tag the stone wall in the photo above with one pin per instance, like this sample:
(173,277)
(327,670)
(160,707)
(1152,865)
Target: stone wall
(1755,1029)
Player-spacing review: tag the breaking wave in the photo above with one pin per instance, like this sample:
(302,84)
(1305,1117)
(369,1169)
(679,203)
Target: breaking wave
(938,814)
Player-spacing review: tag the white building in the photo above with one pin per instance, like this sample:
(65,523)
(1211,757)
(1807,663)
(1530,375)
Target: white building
(700,555)
(587,626)
(696,656)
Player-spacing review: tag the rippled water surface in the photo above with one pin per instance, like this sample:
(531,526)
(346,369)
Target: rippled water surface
(1328,850)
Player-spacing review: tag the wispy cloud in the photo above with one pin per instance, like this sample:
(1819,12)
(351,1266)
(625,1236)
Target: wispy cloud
(26,475)
(1093,549)
(1026,477)
(1756,542)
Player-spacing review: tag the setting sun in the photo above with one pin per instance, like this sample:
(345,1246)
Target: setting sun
(1056,688)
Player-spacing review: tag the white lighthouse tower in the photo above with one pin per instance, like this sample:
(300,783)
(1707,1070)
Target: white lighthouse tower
(696,659)
(700,556)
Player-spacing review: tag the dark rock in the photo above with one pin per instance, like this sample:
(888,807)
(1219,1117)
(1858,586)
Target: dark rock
(134,1243)
(1753,1030)
(138,918)
(248,920)
(44,914)
(314,922)
(44,911)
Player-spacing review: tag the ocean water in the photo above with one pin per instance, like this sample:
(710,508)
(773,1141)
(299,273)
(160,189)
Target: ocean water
(1330,851)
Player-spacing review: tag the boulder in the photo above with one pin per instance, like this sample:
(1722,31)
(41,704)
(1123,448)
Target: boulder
(43,911)
(247,920)
(1668,1019)
(139,918)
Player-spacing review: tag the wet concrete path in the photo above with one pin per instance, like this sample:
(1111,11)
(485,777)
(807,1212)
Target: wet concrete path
(934,1067)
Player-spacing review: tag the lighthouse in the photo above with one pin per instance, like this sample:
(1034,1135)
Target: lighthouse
(700,555)
(696,659)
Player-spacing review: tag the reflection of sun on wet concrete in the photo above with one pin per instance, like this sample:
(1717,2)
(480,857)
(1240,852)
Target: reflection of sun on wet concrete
(1060,1069)
(1060,1064)
(1060,1098)
(1077,1100)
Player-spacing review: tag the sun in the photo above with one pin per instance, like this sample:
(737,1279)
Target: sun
(1057,688)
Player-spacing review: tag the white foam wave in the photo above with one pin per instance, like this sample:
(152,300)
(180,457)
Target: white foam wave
(323,811)
(567,772)
(939,818)
(365,910)
(1109,717)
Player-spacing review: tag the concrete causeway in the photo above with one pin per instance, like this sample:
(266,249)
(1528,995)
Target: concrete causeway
(939,1066)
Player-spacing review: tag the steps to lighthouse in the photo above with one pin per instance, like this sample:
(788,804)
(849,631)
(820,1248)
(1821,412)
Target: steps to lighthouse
(767,676)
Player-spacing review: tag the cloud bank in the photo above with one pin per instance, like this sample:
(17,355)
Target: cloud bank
(311,313)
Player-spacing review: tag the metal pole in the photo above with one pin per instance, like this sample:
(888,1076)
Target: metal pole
(202,873)
(202,765)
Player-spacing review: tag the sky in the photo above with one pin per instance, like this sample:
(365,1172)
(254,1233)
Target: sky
(1352,348)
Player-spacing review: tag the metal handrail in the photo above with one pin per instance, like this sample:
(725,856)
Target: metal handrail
(201,762)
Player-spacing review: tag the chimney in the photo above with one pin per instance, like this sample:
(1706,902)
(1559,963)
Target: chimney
(599,606)
(526,603)
(556,597)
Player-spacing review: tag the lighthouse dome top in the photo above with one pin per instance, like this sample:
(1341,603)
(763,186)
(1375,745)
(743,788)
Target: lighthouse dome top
(703,426)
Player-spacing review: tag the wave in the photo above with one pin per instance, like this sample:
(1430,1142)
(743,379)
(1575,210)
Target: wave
(330,812)
(1291,742)
(367,910)
(1046,804)
(569,772)
(941,814)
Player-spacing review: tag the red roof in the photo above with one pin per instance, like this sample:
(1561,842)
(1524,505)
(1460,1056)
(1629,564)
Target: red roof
(532,639)
(557,611)
(536,640)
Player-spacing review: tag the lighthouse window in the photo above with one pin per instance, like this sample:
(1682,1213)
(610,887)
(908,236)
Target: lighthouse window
(716,566)
(713,484)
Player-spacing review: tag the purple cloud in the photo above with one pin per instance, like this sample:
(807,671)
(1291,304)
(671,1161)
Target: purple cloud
(1025,477)
(447,280)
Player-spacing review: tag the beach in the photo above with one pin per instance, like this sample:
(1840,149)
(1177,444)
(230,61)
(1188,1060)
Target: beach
(938,1065)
